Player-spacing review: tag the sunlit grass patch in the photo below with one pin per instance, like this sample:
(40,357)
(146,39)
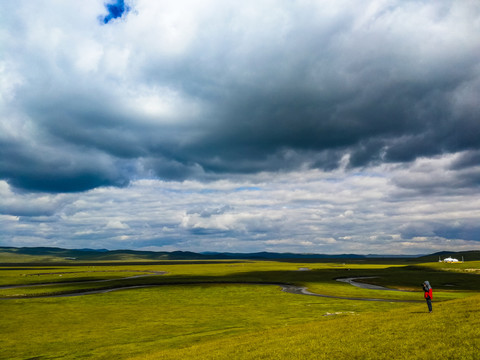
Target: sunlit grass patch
(136,321)
(451,332)
(221,310)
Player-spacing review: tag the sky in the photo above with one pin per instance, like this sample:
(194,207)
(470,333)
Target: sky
(307,126)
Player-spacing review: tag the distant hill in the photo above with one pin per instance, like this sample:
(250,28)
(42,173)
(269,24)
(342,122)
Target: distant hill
(274,255)
(53,254)
(467,256)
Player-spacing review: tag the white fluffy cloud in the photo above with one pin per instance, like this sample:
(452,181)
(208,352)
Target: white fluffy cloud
(308,211)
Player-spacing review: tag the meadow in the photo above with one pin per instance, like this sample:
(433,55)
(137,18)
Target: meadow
(237,310)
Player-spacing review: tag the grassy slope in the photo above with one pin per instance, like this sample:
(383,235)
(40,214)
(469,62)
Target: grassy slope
(51,254)
(466,255)
(451,332)
(129,323)
(449,283)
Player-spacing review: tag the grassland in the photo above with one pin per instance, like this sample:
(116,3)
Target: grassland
(219,310)
(451,332)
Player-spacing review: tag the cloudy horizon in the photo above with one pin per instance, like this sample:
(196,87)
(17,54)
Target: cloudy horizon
(288,126)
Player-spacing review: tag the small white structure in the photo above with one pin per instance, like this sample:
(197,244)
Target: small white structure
(450,260)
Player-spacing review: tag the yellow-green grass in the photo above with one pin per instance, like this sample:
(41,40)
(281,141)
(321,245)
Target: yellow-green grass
(173,316)
(450,332)
(320,278)
(131,322)
(7,257)
(39,275)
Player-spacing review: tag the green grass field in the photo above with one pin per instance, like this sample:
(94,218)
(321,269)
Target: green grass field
(221,310)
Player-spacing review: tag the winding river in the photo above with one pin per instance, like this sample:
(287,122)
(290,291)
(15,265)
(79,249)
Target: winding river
(288,288)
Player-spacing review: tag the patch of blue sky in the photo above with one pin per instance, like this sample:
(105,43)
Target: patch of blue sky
(367,174)
(208,191)
(211,232)
(115,10)
(248,188)
(190,191)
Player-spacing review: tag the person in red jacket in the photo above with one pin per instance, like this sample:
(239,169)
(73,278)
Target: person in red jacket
(427,289)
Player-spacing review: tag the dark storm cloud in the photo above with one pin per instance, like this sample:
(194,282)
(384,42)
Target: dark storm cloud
(324,96)
(194,95)
(466,160)
(448,230)
(42,169)
(450,174)
(459,231)
(30,210)
(88,120)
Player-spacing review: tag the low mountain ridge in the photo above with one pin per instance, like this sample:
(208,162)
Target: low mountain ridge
(54,254)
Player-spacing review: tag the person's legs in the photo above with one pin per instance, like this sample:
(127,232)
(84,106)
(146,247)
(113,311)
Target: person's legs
(429,303)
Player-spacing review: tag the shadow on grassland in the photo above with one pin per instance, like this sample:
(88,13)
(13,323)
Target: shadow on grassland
(408,277)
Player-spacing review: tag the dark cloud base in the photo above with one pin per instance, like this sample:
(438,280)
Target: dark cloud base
(317,92)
